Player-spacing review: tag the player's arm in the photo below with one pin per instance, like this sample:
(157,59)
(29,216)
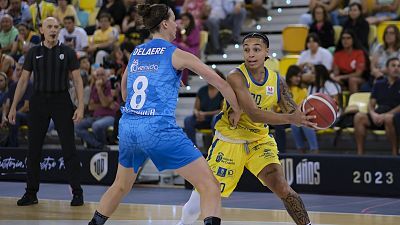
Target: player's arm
(247,103)
(182,59)
(123,85)
(286,102)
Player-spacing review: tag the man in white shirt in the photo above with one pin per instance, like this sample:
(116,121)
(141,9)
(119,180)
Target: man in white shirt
(74,36)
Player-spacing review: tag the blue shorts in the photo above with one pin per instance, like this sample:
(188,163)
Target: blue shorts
(157,138)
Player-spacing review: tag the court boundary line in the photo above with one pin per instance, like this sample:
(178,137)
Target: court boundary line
(252,209)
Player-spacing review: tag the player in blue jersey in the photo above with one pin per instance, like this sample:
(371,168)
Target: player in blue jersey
(148,126)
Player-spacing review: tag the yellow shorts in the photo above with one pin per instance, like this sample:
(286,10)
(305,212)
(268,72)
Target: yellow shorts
(227,160)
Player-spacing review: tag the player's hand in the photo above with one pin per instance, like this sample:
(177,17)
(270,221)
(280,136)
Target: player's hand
(234,117)
(300,118)
(11,115)
(78,115)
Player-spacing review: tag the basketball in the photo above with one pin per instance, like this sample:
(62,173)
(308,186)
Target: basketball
(325,109)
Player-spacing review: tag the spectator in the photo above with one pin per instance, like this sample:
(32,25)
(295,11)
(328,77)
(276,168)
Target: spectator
(384,10)
(389,49)
(6,65)
(115,8)
(293,79)
(313,55)
(349,62)
(25,39)
(46,9)
(383,105)
(103,111)
(344,9)
(3,7)
(207,105)
(73,36)
(22,108)
(134,30)
(130,19)
(322,83)
(7,34)
(329,5)
(3,90)
(188,39)
(64,9)
(257,10)
(19,11)
(102,42)
(322,27)
(198,8)
(357,23)
(224,13)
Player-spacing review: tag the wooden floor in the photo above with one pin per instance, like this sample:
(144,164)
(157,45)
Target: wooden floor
(59,212)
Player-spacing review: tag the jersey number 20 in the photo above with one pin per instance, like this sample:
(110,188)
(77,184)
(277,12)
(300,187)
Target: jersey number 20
(139,92)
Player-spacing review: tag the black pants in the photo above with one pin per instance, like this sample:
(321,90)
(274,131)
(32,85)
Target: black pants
(59,107)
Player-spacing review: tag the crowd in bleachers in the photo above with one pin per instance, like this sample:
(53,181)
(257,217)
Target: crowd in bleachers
(343,53)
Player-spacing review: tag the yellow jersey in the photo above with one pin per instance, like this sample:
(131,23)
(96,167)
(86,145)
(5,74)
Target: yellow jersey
(265,94)
(298,94)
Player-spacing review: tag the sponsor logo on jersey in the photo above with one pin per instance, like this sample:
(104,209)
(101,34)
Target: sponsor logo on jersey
(270,90)
(143,66)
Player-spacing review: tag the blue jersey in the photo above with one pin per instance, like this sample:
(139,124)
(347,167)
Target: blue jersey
(152,81)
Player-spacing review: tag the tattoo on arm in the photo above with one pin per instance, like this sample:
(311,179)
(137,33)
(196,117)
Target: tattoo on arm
(286,103)
(295,207)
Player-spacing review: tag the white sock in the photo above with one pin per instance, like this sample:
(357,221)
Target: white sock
(191,210)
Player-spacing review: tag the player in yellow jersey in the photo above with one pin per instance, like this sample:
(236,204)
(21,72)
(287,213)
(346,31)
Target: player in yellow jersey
(249,144)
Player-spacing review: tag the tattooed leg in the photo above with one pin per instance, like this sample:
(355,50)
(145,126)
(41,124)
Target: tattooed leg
(295,207)
(273,177)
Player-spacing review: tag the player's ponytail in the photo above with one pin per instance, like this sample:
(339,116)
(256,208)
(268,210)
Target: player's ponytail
(153,15)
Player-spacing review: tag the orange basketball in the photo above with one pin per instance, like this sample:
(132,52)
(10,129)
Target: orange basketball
(325,109)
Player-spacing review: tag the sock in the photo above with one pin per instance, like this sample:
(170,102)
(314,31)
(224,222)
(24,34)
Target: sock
(98,219)
(191,210)
(212,220)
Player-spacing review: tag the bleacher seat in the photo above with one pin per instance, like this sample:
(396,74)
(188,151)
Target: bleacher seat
(338,30)
(381,29)
(359,100)
(294,38)
(287,61)
(203,42)
(87,5)
(371,34)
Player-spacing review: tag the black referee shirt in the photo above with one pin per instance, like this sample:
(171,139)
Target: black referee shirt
(51,67)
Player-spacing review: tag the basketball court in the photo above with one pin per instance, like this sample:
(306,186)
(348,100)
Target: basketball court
(162,206)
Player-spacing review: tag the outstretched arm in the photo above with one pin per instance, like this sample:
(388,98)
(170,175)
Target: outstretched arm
(182,59)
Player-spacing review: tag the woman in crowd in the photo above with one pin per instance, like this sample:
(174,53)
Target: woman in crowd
(293,79)
(349,62)
(322,27)
(357,23)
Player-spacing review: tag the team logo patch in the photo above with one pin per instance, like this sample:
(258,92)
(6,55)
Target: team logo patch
(221,172)
(270,90)
(219,157)
(99,165)
(61,56)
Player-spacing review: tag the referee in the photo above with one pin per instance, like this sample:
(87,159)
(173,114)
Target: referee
(50,63)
